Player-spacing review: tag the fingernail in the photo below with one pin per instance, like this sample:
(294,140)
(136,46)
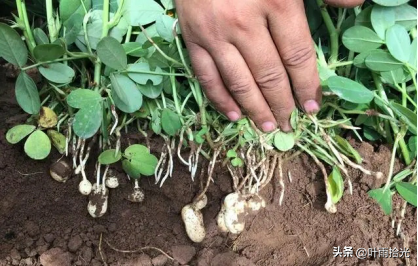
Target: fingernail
(233,116)
(268,126)
(286,127)
(311,106)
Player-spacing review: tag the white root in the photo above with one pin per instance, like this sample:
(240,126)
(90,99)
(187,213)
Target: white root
(402,216)
(179,149)
(378,175)
(289,176)
(281,181)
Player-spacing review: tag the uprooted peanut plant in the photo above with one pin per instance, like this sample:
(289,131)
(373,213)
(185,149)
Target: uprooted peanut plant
(109,66)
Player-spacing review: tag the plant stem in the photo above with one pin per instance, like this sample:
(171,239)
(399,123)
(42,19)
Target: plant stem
(52,29)
(54,61)
(340,64)
(392,161)
(333,32)
(395,128)
(156,73)
(27,32)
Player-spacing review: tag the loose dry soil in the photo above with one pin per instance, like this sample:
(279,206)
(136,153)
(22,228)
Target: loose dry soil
(43,221)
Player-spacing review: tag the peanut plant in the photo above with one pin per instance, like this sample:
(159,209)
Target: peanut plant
(110,66)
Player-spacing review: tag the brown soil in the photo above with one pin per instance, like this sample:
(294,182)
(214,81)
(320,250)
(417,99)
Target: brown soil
(42,220)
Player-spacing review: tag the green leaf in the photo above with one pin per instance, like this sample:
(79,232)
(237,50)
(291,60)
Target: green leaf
(135,149)
(19,132)
(170,122)
(406,16)
(364,18)
(394,77)
(381,61)
(40,36)
(73,26)
(125,93)
(336,185)
(81,98)
(390,2)
(237,162)
(382,18)
(346,146)
(164,26)
(145,13)
(88,120)
(139,161)
(59,141)
(131,169)
(284,141)
(109,156)
(142,78)
(359,60)
(57,72)
(408,192)
(412,144)
(12,48)
(48,52)
(27,95)
(383,197)
(38,145)
(134,49)
(69,8)
(98,5)
(151,91)
(398,43)
(111,53)
(406,115)
(361,39)
(231,154)
(350,90)
(168,4)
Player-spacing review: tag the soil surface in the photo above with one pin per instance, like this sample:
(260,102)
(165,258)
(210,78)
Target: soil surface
(46,222)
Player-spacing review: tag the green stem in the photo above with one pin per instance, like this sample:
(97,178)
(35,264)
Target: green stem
(340,64)
(395,128)
(348,67)
(392,161)
(128,34)
(105,31)
(333,33)
(27,32)
(52,28)
(53,61)
(156,73)
(175,96)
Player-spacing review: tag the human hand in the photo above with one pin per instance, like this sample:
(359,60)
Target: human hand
(250,54)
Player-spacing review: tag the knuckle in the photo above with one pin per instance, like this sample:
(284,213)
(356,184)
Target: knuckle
(240,87)
(270,79)
(298,56)
(206,81)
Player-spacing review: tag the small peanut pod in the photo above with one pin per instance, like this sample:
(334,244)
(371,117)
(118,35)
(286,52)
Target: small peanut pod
(97,205)
(193,221)
(61,170)
(85,187)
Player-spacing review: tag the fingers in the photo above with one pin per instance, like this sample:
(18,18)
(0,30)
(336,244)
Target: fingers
(211,82)
(291,35)
(239,80)
(344,3)
(264,62)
